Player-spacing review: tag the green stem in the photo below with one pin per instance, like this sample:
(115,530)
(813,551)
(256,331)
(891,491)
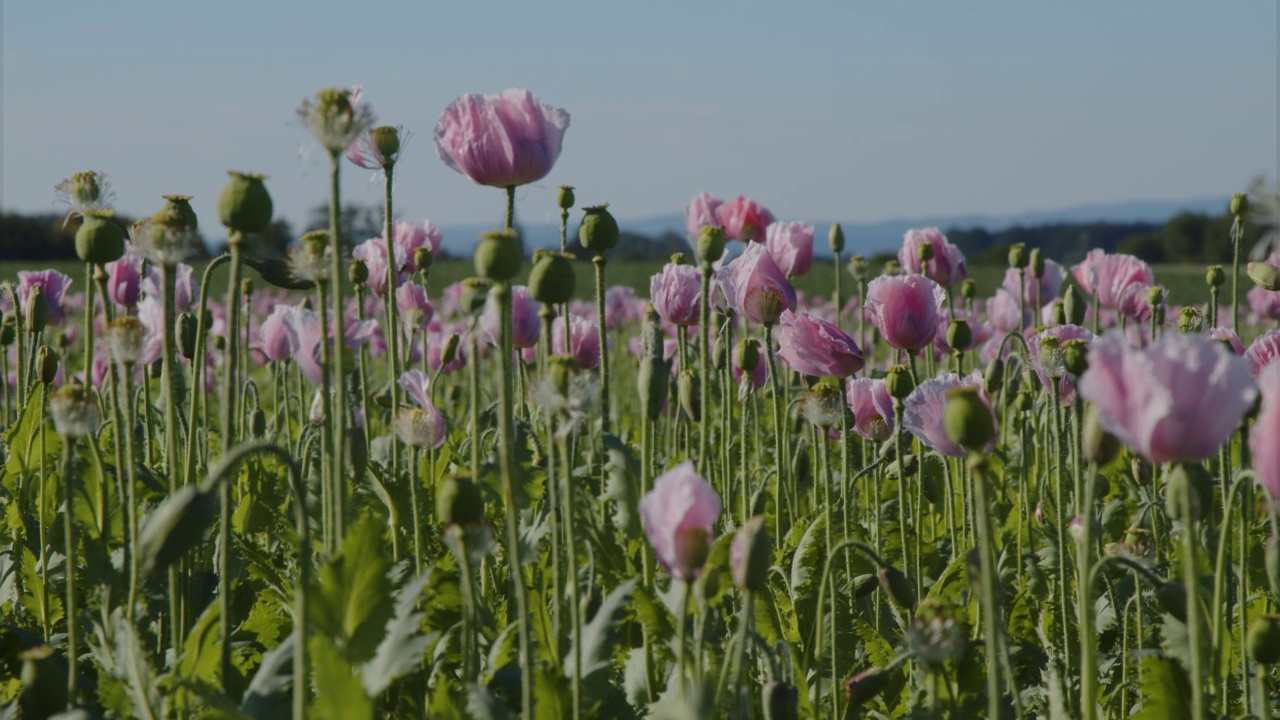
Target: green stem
(572,555)
(1192,582)
(226,430)
(681,622)
(1088,649)
(599,262)
(73,654)
(392,331)
(1237,237)
(338,367)
(990,613)
(779,430)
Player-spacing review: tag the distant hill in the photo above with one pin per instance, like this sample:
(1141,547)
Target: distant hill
(868,238)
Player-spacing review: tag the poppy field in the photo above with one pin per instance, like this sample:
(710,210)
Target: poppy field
(347,484)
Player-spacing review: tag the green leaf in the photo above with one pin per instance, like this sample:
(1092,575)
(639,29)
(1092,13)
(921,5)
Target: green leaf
(200,657)
(597,635)
(33,589)
(339,694)
(404,646)
(551,690)
(22,443)
(1165,689)
(878,649)
(268,693)
(482,705)
(121,656)
(352,598)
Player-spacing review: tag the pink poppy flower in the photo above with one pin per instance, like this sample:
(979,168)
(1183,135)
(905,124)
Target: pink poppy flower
(502,140)
(700,213)
(679,517)
(1229,337)
(1048,363)
(374,254)
(744,219)
(415,309)
(279,339)
(1262,438)
(525,323)
(1118,281)
(407,238)
(790,245)
(676,293)
(947,267)
(904,310)
(756,287)
(124,280)
(925,408)
(872,408)
(1049,285)
(1175,401)
(816,347)
(583,342)
(1263,351)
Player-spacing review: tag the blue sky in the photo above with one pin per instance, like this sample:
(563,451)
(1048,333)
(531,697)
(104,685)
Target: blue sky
(856,111)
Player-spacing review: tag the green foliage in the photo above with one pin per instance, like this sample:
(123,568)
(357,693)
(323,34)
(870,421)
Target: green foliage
(351,600)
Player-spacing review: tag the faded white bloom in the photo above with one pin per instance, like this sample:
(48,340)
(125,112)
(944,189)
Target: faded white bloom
(74,412)
(127,338)
(575,408)
(162,245)
(85,192)
(336,117)
(309,259)
(419,427)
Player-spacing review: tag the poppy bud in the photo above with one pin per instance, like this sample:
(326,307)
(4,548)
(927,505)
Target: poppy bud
(450,350)
(746,355)
(993,375)
(564,197)
(1264,639)
(1036,263)
(274,272)
(968,421)
(835,238)
(175,527)
(1100,447)
(651,381)
(498,255)
(358,271)
(1018,255)
(968,289)
(99,239)
(688,387)
(1073,304)
(244,206)
(1264,275)
(37,309)
(423,259)
(710,245)
(1239,204)
(257,423)
(779,701)
(598,231)
(8,329)
(1059,313)
(1075,356)
(749,555)
(46,364)
(898,382)
(865,686)
(187,331)
(897,587)
(552,279)
(959,336)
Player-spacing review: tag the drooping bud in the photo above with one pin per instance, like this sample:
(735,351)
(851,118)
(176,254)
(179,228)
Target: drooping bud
(959,336)
(1239,204)
(175,527)
(598,231)
(835,238)
(244,206)
(44,683)
(564,197)
(1100,447)
(749,555)
(552,279)
(46,364)
(898,382)
(1018,255)
(746,355)
(865,686)
(450,350)
(187,329)
(1073,304)
(257,423)
(688,387)
(1264,275)
(993,375)
(274,272)
(498,255)
(896,585)
(459,501)
(710,244)
(1215,276)
(8,329)
(36,310)
(968,421)
(1264,639)
(100,238)
(358,271)
(779,700)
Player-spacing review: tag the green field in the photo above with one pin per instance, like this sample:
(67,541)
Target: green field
(1185,282)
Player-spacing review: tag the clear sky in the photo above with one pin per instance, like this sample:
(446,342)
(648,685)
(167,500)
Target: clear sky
(840,109)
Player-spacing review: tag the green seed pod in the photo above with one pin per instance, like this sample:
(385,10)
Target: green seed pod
(968,289)
(968,421)
(779,700)
(1239,204)
(993,375)
(37,309)
(386,140)
(498,256)
(459,501)
(1018,256)
(1075,356)
(1215,276)
(865,686)
(274,272)
(552,279)
(750,554)
(835,238)
(244,206)
(1155,296)
(564,197)
(175,527)
(598,231)
(1059,313)
(46,364)
(1264,639)
(651,381)
(177,213)
(8,329)
(1036,263)
(1190,320)
(746,355)
(423,259)
(898,382)
(688,388)
(99,239)
(897,587)
(1100,447)
(187,330)
(858,267)
(720,352)
(1073,303)
(710,244)
(924,252)
(358,271)
(1264,275)
(959,336)
(475,292)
